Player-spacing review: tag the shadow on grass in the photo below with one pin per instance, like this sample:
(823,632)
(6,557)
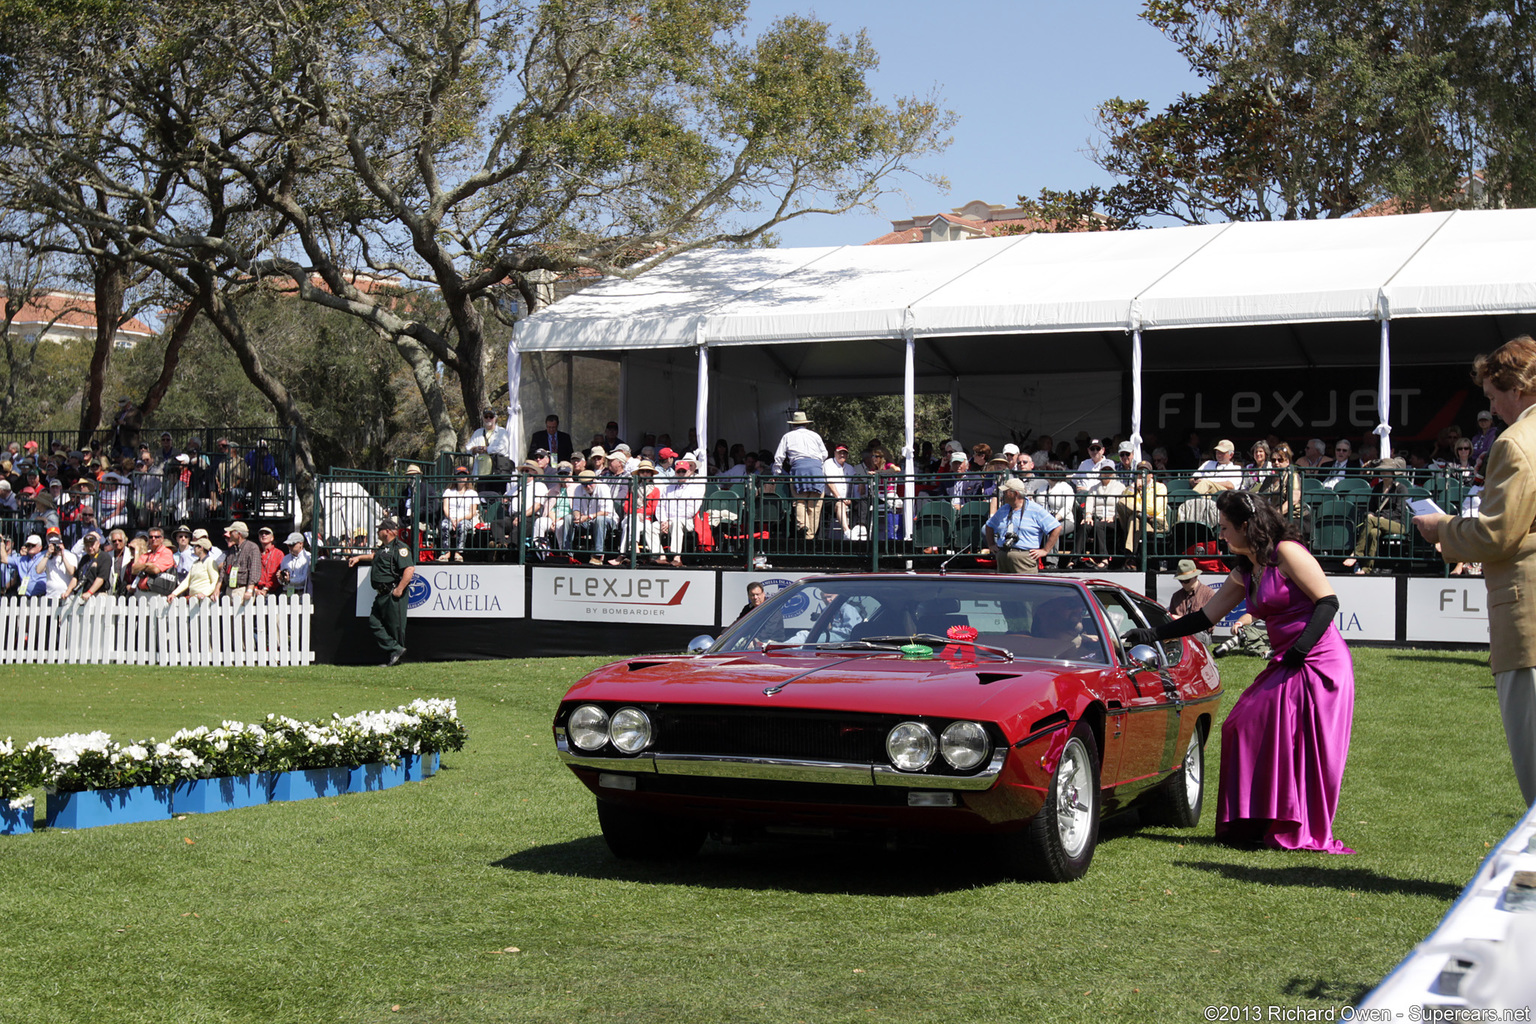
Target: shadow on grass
(1312,876)
(1323,990)
(858,868)
(1475,660)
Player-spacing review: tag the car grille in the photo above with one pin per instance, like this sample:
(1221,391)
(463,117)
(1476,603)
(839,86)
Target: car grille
(800,735)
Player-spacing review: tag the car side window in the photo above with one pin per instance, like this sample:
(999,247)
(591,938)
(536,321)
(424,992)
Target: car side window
(1118,610)
(1156,616)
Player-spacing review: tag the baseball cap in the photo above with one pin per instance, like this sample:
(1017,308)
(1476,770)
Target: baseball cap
(1010,449)
(1126,448)
(958,457)
(294,538)
(839,448)
(388,523)
(1224,446)
(667,453)
(1094,442)
(33,538)
(238,526)
(586,476)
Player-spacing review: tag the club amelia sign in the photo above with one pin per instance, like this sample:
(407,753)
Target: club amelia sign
(456,592)
(624,595)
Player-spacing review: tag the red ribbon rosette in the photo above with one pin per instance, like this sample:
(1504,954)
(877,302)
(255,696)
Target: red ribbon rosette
(957,653)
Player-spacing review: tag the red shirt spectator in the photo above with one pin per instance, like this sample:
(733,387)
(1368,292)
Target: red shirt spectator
(271,561)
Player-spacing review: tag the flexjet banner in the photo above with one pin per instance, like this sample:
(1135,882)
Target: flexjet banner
(624,595)
(1332,403)
(442,591)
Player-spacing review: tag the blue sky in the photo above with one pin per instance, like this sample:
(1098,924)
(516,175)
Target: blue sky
(1025,77)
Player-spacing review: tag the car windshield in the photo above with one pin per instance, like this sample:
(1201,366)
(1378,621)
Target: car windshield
(1030,619)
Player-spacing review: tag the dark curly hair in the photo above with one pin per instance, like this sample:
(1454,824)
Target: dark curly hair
(1258,519)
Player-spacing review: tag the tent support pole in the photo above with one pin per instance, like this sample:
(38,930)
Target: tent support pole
(701,403)
(1384,390)
(1136,395)
(909,414)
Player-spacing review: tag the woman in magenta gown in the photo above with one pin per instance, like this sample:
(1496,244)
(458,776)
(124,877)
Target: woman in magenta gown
(1284,744)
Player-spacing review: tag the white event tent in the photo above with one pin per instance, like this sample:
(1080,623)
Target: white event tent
(1059,313)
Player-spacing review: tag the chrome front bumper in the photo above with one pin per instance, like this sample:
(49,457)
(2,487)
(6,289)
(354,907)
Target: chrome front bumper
(780,769)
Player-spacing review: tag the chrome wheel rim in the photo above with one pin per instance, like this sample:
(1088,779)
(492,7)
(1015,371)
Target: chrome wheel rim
(1193,772)
(1074,798)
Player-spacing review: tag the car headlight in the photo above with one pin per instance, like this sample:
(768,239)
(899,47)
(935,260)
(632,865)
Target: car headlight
(964,744)
(630,730)
(910,746)
(588,727)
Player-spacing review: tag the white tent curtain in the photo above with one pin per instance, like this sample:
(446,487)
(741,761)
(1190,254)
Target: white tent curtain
(514,393)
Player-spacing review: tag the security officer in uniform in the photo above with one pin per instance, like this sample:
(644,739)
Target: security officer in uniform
(391,578)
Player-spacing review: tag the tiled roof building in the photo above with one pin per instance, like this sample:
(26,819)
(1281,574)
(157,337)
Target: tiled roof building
(63,315)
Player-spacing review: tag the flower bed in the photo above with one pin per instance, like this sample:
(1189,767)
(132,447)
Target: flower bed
(246,762)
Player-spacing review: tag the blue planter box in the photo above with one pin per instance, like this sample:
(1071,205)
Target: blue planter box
(14,823)
(226,793)
(94,807)
(367,778)
(308,784)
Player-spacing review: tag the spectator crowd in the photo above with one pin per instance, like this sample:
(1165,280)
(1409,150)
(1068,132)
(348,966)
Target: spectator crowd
(602,501)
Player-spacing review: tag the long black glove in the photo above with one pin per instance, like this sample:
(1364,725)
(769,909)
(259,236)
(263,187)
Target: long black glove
(1323,614)
(1184,625)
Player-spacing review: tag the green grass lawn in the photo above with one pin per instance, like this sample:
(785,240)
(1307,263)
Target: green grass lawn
(487,894)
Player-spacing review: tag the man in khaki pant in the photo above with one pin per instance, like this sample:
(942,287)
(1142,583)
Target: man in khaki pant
(1503,537)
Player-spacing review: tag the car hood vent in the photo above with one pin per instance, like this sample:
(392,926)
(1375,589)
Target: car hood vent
(636,666)
(985,678)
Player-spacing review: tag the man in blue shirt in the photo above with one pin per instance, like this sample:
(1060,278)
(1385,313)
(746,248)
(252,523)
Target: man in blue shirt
(29,565)
(1020,532)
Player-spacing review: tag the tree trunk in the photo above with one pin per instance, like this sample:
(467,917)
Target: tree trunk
(226,321)
(424,369)
(470,325)
(108,281)
(179,331)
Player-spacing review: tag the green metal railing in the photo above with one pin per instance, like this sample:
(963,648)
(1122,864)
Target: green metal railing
(875,522)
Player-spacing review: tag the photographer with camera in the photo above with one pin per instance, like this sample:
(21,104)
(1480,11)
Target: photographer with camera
(58,565)
(1020,532)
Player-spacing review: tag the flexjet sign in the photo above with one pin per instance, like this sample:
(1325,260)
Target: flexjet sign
(623,595)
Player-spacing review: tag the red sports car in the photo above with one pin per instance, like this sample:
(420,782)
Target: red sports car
(894,704)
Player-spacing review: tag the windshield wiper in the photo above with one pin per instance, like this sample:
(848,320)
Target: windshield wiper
(940,641)
(870,644)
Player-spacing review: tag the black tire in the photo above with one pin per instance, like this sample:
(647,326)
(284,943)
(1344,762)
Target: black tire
(1178,802)
(1058,843)
(635,834)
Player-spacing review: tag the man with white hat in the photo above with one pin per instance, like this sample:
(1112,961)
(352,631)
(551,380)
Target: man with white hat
(1221,473)
(802,454)
(1020,532)
(29,565)
(1192,595)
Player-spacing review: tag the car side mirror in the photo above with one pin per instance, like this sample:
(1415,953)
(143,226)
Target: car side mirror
(1144,657)
(700,644)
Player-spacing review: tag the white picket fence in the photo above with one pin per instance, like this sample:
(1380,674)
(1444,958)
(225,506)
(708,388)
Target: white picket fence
(265,631)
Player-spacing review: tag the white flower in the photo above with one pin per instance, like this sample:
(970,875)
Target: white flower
(136,752)
(17,803)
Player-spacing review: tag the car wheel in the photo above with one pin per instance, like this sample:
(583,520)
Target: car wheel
(635,834)
(1178,802)
(1058,844)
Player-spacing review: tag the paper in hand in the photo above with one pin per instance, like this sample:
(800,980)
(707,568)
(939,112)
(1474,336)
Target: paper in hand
(1425,507)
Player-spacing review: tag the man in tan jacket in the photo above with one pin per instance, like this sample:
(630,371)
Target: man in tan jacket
(1503,537)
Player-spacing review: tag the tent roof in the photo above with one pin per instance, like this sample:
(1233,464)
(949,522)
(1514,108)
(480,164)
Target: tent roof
(1222,275)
